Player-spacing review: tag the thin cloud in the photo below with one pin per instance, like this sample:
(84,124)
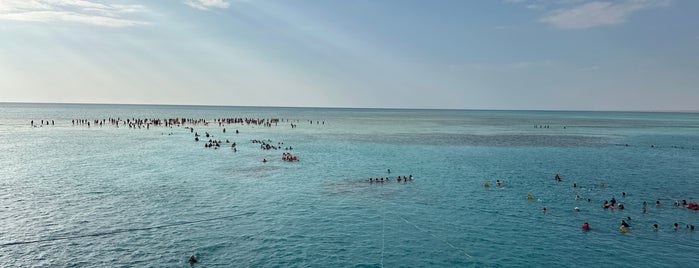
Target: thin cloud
(593,14)
(75,11)
(542,4)
(207,4)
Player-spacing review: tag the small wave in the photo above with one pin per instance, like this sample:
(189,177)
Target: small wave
(118,231)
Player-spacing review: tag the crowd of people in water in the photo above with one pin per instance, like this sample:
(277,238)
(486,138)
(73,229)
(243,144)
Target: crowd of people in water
(51,123)
(268,145)
(216,144)
(139,122)
(177,122)
(264,145)
(614,204)
(190,124)
(388,179)
(289,157)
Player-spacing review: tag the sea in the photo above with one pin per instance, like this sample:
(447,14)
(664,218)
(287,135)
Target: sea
(147,194)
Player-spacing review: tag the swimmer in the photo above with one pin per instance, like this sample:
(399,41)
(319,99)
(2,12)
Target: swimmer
(389,171)
(645,204)
(529,196)
(545,210)
(498,183)
(577,209)
(193,259)
(691,227)
(606,204)
(575,185)
(623,194)
(623,223)
(622,229)
(264,160)
(655,227)
(657,203)
(577,197)
(628,218)
(586,226)
(676,226)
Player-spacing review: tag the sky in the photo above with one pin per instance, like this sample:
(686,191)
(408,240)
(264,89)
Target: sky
(640,55)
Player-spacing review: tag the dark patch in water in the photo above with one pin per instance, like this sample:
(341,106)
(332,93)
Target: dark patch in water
(500,140)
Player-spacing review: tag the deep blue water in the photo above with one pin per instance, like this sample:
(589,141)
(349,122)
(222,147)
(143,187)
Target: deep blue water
(73,196)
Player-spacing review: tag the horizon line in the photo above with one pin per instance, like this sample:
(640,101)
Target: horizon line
(344,107)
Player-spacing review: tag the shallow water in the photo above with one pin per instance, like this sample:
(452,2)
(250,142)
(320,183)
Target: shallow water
(107,196)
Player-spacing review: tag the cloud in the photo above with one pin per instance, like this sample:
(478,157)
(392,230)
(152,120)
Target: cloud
(207,4)
(593,14)
(76,11)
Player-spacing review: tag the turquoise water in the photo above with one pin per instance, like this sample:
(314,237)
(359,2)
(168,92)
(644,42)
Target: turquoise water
(73,196)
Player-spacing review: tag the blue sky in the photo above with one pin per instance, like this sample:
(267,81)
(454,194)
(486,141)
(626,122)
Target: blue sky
(499,54)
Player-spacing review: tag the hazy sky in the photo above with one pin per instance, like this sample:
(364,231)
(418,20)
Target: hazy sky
(494,54)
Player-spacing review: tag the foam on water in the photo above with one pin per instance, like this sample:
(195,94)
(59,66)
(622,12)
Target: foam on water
(105,196)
